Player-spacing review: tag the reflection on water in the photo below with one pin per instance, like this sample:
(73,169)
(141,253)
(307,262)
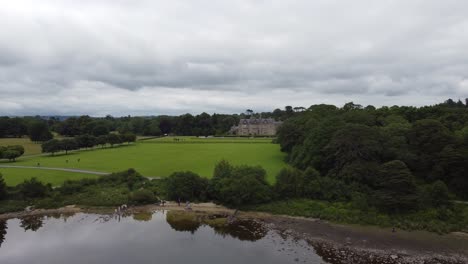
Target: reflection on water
(183,222)
(161,237)
(3,227)
(31,223)
(244,230)
(144,216)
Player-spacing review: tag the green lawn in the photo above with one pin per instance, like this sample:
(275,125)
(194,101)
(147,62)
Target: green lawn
(15,176)
(191,139)
(160,160)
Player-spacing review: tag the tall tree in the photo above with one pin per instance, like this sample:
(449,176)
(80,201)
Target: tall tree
(39,131)
(396,190)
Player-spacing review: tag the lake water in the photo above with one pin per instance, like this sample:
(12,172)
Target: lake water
(144,238)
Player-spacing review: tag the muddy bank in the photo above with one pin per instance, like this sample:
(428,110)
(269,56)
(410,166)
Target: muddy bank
(334,243)
(357,244)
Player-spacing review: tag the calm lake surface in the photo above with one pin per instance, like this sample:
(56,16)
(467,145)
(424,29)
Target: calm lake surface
(143,238)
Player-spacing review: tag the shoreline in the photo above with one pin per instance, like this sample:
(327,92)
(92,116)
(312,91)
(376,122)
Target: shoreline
(336,243)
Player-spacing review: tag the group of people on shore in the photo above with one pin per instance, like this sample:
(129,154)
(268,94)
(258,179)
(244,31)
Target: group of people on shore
(120,209)
(188,205)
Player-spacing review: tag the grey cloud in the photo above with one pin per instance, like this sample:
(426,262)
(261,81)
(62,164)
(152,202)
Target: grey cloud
(279,53)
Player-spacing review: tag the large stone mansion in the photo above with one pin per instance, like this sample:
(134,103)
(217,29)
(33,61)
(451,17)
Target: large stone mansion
(256,127)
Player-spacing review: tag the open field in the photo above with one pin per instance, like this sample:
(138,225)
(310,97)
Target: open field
(160,160)
(14,176)
(30,148)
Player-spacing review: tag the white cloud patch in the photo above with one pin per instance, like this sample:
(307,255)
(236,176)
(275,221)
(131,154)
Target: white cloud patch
(158,57)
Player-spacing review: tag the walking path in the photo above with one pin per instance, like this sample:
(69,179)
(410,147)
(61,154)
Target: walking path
(57,169)
(70,170)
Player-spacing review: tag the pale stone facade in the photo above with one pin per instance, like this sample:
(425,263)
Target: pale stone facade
(256,127)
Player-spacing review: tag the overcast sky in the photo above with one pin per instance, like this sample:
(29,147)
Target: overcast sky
(122,57)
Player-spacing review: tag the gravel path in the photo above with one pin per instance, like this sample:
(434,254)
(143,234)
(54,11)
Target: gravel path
(69,170)
(57,169)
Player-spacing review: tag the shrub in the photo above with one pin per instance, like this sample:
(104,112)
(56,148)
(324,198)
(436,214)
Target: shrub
(131,177)
(34,189)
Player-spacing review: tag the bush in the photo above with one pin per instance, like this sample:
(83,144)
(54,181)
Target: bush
(9,206)
(34,189)
(142,196)
(130,177)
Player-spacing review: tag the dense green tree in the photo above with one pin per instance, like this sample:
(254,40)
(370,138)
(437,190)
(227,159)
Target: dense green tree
(34,188)
(18,148)
(429,136)
(68,144)
(437,194)
(396,190)
(101,140)
(311,186)
(165,125)
(151,128)
(186,186)
(100,130)
(52,146)
(289,183)
(85,141)
(113,139)
(289,134)
(11,155)
(128,137)
(245,185)
(39,131)
(222,170)
(353,143)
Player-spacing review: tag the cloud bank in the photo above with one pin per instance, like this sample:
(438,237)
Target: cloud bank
(171,57)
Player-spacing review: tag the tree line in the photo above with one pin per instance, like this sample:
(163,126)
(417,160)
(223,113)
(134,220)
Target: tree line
(85,141)
(39,129)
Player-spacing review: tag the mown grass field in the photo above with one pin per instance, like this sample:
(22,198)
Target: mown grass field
(15,176)
(30,148)
(161,157)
